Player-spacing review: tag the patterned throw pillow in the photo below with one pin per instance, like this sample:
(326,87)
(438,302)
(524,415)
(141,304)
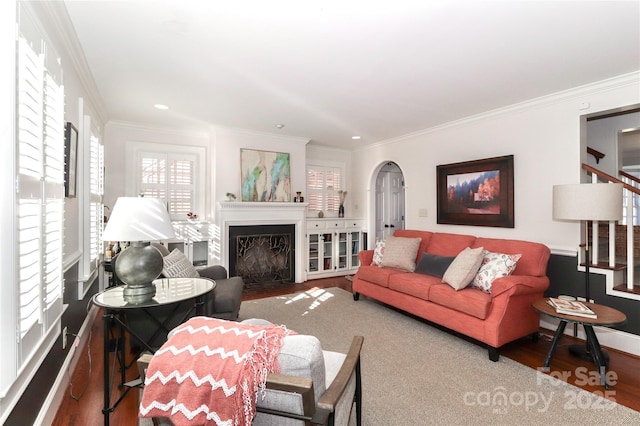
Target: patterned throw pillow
(378,252)
(463,268)
(494,265)
(176,265)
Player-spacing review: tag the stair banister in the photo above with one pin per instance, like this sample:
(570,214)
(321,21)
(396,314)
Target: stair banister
(630,192)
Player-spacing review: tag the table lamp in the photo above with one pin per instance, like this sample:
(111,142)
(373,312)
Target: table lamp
(138,220)
(587,202)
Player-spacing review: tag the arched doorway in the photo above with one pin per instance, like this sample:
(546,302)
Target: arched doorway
(389,211)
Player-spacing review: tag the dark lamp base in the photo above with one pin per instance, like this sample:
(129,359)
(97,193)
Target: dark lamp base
(137,267)
(139,294)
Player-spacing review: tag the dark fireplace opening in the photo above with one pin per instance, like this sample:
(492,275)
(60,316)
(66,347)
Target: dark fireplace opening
(262,254)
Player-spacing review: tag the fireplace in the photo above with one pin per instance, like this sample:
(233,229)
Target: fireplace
(262,253)
(234,214)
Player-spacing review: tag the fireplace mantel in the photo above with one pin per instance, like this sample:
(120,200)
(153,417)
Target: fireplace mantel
(236,213)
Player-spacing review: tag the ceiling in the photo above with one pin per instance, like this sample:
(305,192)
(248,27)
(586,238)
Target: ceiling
(329,70)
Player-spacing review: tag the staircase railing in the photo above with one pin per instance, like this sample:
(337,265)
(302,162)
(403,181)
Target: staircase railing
(630,193)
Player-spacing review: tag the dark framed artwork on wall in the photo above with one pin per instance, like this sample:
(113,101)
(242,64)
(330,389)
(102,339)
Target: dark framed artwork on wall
(71,159)
(478,192)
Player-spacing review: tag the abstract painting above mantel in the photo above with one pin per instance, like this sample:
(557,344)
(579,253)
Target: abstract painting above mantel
(266,176)
(477,192)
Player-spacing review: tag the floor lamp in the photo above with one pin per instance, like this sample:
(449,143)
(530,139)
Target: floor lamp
(587,202)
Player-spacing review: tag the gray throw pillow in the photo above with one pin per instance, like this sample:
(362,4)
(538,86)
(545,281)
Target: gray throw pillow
(176,265)
(433,264)
(464,268)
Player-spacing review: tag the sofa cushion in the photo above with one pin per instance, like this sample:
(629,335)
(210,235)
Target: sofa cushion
(416,285)
(176,265)
(535,256)
(425,237)
(433,264)
(449,244)
(400,252)
(376,275)
(470,301)
(463,268)
(494,265)
(378,252)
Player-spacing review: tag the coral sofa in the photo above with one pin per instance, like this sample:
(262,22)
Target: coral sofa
(494,318)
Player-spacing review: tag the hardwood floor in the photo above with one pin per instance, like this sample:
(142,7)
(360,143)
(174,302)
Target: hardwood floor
(85,406)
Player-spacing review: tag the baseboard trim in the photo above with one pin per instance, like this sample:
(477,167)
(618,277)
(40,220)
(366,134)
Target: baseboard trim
(51,404)
(608,337)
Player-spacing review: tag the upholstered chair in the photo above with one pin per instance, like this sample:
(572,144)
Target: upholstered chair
(223,302)
(314,387)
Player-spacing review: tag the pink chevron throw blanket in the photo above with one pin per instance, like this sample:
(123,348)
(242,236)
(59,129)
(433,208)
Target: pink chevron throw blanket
(209,372)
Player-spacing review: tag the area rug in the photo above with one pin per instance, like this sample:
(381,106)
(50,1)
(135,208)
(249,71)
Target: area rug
(416,374)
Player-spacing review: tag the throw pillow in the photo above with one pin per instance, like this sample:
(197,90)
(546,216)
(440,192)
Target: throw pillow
(378,252)
(494,265)
(433,264)
(400,252)
(463,268)
(176,265)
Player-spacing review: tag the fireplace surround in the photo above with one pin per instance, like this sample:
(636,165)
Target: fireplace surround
(235,213)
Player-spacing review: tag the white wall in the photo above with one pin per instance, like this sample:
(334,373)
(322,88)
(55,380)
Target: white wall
(222,165)
(326,156)
(118,136)
(227,145)
(542,134)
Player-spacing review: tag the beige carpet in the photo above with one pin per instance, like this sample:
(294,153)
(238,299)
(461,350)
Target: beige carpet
(415,374)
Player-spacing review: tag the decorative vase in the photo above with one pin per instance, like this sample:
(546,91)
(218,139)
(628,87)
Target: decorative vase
(341,211)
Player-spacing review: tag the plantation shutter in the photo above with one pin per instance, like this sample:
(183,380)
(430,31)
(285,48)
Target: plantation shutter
(40,194)
(323,184)
(171,178)
(96,190)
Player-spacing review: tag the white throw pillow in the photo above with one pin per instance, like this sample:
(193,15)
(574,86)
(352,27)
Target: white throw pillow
(494,265)
(400,252)
(463,268)
(176,265)
(378,252)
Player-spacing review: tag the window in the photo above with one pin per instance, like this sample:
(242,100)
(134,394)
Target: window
(170,176)
(323,185)
(96,190)
(39,198)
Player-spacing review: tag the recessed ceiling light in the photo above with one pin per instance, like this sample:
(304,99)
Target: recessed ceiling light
(279,126)
(160,106)
(355,138)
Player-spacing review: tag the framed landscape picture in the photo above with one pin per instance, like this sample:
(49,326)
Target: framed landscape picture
(476,192)
(266,175)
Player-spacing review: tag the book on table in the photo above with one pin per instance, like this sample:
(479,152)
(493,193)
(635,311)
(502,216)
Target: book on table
(571,307)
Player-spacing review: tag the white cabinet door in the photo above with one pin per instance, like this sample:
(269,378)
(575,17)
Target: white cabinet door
(333,246)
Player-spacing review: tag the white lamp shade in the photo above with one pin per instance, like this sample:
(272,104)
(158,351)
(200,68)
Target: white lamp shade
(587,201)
(138,219)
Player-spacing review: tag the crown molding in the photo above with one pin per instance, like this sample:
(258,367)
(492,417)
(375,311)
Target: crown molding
(223,129)
(625,80)
(55,13)
(129,125)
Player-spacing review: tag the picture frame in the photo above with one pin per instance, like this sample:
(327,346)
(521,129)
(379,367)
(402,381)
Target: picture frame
(71,159)
(477,193)
(265,176)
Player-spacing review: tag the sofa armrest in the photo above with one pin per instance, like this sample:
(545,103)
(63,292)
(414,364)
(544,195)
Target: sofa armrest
(519,284)
(365,257)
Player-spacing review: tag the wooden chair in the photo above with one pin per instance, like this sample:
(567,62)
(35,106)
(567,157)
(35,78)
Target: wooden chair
(315,387)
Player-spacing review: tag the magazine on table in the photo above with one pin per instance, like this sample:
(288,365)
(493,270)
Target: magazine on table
(571,307)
